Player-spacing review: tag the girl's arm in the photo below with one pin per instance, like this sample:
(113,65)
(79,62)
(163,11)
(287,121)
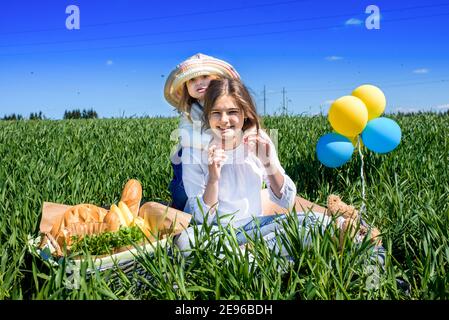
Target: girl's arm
(216,158)
(210,196)
(281,188)
(276,179)
(200,185)
(264,150)
(284,195)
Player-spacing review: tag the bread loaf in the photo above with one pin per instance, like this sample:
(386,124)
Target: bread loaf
(162,219)
(86,214)
(132,195)
(88,219)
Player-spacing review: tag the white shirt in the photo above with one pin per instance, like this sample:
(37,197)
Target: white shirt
(240,185)
(191,131)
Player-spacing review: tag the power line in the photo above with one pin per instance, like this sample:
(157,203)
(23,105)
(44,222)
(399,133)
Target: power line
(284,106)
(163,17)
(351,87)
(405,84)
(331,27)
(219,27)
(175,32)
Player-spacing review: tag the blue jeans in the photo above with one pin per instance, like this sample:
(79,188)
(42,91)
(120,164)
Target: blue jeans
(269,227)
(176,187)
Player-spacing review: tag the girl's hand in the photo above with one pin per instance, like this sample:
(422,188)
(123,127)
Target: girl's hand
(261,147)
(216,159)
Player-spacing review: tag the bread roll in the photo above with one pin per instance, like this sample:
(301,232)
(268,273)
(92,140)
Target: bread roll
(112,220)
(132,195)
(162,219)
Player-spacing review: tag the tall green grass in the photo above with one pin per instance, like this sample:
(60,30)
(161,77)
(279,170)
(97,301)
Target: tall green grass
(88,161)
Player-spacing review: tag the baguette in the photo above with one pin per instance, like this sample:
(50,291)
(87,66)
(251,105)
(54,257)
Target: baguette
(132,196)
(122,219)
(129,217)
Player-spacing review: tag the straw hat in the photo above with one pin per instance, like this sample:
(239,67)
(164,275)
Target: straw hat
(197,65)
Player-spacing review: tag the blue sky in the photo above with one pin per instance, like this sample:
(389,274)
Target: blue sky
(116,63)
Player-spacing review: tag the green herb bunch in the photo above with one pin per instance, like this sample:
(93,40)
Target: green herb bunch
(106,242)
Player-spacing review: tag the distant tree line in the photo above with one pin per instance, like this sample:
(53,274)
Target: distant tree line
(92,114)
(12,117)
(68,114)
(37,116)
(78,114)
(33,116)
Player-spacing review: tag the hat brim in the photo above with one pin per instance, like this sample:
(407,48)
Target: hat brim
(178,77)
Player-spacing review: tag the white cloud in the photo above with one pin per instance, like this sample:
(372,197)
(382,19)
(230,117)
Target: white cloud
(406,109)
(421,71)
(333,58)
(442,106)
(353,22)
(109,63)
(411,109)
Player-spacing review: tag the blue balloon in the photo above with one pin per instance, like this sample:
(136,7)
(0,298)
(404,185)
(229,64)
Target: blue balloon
(334,150)
(381,135)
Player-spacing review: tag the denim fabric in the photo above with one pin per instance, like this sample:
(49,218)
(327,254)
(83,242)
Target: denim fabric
(269,227)
(266,226)
(176,187)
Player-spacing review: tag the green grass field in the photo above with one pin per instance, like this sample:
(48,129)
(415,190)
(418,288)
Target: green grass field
(88,161)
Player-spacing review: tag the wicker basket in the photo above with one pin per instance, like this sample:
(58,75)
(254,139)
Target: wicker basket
(125,260)
(43,247)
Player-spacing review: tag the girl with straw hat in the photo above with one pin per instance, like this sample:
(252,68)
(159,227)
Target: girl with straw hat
(185,89)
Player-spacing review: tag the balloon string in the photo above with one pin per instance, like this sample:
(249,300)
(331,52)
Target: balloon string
(363,207)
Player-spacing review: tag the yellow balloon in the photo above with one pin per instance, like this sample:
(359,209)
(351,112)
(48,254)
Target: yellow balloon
(348,116)
(373,98)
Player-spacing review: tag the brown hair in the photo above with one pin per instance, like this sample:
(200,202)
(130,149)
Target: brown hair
(186,101)
(237,90)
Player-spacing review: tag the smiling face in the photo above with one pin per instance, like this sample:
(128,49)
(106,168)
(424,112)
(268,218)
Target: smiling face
(196,87)
(226,119)
(229,111)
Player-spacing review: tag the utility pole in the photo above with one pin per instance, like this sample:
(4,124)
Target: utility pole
(264,101)
(283,100)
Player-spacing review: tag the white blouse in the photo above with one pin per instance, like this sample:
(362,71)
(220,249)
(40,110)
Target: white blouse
(239,187)
(191,131)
